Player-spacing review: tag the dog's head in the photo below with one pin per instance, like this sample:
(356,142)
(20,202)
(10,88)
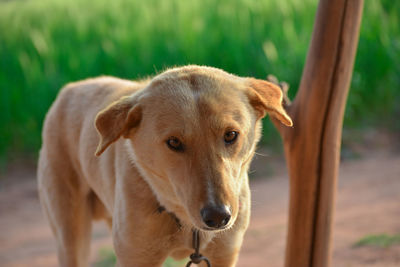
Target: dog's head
(192,133)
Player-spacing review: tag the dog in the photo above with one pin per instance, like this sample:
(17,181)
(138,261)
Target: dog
(156,159)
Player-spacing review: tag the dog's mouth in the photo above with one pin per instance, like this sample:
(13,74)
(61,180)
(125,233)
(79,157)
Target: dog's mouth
(209,229)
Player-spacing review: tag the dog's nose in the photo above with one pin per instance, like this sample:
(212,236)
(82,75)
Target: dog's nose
(216,216)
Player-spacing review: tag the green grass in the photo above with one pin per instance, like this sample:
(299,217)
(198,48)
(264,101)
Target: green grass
(45,44)
(382,240)
(108,259)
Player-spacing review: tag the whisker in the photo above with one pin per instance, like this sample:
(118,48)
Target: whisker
(262,155)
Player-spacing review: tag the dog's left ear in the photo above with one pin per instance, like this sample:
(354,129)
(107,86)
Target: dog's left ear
(118,119)
(266,97)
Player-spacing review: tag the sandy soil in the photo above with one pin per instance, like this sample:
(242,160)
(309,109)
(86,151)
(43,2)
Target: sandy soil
(368,202)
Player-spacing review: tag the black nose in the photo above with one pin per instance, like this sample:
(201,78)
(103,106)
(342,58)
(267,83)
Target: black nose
(216,216)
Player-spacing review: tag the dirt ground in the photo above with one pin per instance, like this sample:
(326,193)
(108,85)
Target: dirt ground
(368,202)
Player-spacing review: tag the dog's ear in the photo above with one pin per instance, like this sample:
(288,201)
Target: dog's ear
(266,97)
(115,120)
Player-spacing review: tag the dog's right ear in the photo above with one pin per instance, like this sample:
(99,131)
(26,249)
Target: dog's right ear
(119,118)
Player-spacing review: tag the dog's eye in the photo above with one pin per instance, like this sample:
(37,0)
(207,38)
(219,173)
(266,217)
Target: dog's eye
(175,144)
(230,137)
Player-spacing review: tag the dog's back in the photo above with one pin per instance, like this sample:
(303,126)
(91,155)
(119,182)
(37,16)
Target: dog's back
(66,136)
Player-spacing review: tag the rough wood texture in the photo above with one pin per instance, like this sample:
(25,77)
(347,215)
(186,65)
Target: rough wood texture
(312,146)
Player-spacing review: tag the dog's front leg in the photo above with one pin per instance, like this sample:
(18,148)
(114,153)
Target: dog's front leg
(135,244)
(224,252)
(137,237)
(134,255)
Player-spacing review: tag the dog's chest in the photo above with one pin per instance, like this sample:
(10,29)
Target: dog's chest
(182,242)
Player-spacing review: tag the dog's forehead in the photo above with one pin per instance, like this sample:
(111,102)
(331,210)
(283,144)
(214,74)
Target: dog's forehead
(186,101)
(194,87)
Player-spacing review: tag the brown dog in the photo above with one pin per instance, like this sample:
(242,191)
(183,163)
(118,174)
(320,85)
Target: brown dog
(189,135)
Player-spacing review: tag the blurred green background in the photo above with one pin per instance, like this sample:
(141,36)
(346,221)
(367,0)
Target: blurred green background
(47,43)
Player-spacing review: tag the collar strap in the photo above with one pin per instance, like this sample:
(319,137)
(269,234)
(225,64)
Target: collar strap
(161,209)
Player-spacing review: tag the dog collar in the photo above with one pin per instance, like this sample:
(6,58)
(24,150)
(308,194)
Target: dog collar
(161,209)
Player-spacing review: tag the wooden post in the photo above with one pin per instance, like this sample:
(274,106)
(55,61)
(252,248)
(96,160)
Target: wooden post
(312,146)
